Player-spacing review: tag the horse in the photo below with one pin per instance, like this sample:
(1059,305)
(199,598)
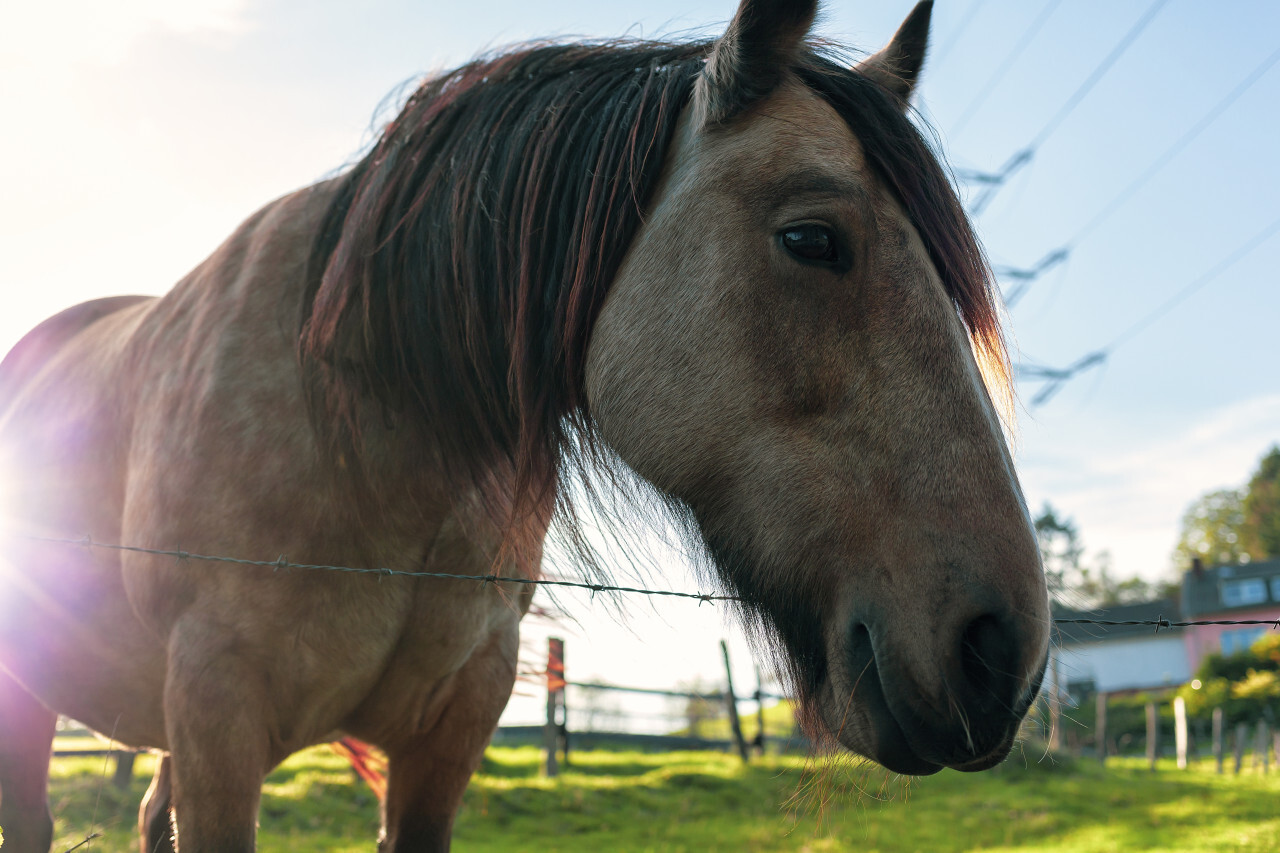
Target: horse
(732,270)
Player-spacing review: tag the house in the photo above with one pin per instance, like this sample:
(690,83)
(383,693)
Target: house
(1089,658)
(1228,593)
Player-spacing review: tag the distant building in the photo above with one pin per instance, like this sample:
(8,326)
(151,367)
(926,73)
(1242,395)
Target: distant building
(1229,593)
(1087,658)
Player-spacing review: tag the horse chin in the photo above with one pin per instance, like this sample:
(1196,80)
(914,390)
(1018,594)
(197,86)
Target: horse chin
(881,738)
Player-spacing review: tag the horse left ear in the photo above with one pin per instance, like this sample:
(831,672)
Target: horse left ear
(897,65)
(750,59)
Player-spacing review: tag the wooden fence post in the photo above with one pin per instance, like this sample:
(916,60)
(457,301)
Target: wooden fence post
(552,730)
(1242,734)
(760,741)
(1260,739)
(124,768)
(1217,737)
(1180,730)
(1153,736)
(1100,728)
(731,701)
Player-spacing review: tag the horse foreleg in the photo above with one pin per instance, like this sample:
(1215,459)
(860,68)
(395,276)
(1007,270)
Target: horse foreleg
(216,716)
(26,735)
(428,773)
(155,817)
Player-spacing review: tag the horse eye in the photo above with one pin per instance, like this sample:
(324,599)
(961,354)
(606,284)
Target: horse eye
(812,243)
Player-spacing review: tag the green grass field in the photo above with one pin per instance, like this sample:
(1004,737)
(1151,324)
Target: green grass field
(697,801)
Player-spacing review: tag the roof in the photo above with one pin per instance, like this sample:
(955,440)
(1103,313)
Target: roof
(1146,611)
(1202,591)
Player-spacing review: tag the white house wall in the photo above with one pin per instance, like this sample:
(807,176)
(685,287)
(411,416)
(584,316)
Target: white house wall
(1126,664)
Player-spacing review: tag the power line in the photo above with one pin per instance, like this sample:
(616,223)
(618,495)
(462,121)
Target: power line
(1217,269)
(1055,378)
(1021,158)
(946,49)
(1025,276)
(1012,57)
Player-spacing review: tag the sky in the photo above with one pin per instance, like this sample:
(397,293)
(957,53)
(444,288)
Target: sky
(138,134)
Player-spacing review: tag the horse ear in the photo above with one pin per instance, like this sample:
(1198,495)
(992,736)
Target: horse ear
(751,57)
(897,65)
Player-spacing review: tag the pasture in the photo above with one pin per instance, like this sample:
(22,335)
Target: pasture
(701,801)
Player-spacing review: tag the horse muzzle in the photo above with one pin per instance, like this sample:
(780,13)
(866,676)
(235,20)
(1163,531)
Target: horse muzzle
(959,707)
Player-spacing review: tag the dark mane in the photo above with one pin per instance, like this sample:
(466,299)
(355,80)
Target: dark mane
(462,265)
(463,261)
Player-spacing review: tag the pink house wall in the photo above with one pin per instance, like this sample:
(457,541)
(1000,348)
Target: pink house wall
(1205,639)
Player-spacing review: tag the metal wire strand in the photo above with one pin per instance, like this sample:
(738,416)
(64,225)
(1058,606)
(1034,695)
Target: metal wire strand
(700,597)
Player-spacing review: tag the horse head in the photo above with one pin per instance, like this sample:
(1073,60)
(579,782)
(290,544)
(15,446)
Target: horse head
(797,348)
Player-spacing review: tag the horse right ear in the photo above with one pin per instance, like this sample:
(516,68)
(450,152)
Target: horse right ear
(749,60)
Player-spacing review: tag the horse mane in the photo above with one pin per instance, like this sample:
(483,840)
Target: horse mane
(462,262)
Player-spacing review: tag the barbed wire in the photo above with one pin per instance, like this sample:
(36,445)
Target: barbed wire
(701,597)
(1167,623)
(283,563)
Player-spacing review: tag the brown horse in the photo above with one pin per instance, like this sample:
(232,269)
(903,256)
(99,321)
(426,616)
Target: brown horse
(735,266)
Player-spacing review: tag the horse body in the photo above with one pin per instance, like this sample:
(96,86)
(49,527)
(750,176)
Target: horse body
(269,657)
(748,280)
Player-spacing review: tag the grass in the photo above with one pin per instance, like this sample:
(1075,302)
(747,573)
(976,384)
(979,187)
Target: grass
(698,801)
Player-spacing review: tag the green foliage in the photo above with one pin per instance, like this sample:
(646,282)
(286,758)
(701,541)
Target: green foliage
(1245,685)
(1076,582)
(1226,667)
(1211,530)
(1233,526)
(1261,508)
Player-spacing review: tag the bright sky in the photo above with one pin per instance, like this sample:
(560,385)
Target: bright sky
(139,133)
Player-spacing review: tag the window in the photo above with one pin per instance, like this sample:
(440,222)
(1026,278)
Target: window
(1275,588)
(1234,642)
(1242,592)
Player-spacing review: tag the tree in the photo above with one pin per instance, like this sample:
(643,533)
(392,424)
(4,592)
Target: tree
(1232,526)
(1261,508)
(1076,582)
(1211,530)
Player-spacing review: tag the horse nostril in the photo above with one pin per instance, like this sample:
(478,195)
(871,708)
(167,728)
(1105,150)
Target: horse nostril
(988,658)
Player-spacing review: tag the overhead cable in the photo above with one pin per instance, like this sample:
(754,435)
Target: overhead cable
(1024,156)
(1055,378)
(1024,276)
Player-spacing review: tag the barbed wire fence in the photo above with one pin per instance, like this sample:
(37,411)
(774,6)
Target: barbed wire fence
(282,563)
(559,737)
